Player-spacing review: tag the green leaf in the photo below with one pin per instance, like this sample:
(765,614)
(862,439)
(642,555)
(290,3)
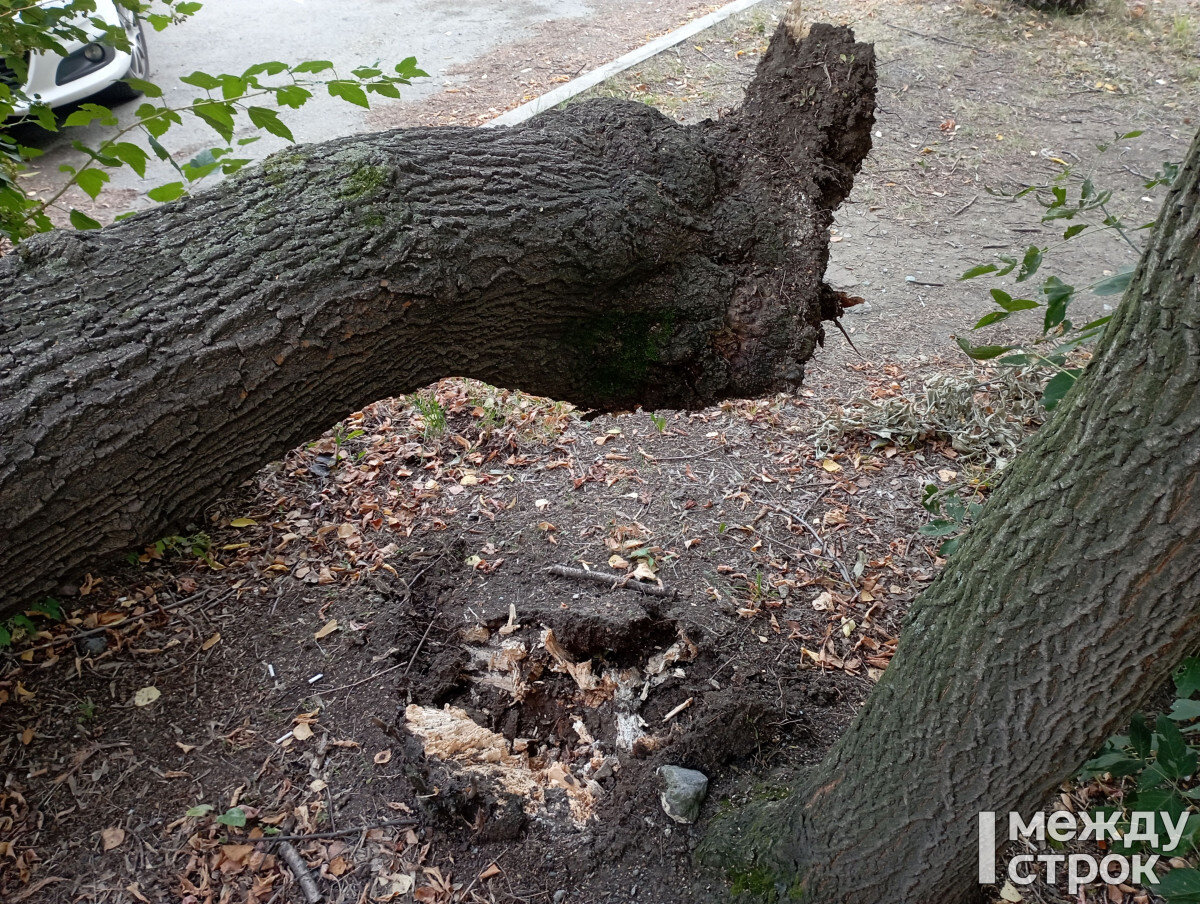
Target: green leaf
(1185,710)
(1187,677)
(268,120)
(348,91)
(313,66)
(232,87)
(1012,305)
(980,270)
(131,155)
(929,500)
(44,117)
(1058,387)
(983,352)
(1058,297)
(990,318)
(49,607)
(140,84)
(200,810)
(1096,324)
(1179,886)
(218,115)
(1160,799)
(387,89)
(157,120)
(1175,758)
(1140,738)
(1113,762)
(407,68)
(1115,284)
(949,547)
(1030,263)
(1073,231)
(91,180)
(272,68)
(165,193)
(87,113)
(292,96)
(201,80)
(81,220)
(939,528)
(235,817)
(1014,360)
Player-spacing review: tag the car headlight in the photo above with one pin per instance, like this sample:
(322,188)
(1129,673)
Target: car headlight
(83,61)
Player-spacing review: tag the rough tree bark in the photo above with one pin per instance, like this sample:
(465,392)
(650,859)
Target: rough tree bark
(602,254)
(1070,601)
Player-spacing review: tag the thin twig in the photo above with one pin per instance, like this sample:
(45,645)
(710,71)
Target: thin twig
(615,581)
(964,208)
(300,870)
(842,329)
(656,460)
(921,34)
(306,836)
(824,546)
(369,678)
(420,644)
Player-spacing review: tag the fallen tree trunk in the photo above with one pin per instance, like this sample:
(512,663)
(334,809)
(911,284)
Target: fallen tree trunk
(601,254)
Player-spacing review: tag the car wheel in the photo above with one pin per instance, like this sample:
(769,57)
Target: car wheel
(139,59)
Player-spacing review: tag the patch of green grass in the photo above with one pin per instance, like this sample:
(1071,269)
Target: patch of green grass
(1184,34)
(433,416)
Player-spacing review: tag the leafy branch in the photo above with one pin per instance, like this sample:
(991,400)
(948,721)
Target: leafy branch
(227,99)
(1059,338)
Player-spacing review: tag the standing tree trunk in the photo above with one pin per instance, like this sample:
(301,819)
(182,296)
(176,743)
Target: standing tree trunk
(601,254)
(1071,600)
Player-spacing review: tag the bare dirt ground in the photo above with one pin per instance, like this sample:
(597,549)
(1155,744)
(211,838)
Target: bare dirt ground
(362,650)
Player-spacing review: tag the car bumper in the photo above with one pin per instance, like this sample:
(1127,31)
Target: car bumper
(42,83)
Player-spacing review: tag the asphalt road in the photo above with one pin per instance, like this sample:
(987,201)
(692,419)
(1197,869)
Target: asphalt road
(230,35)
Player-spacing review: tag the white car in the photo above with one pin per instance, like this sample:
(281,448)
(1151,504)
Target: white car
(89,67)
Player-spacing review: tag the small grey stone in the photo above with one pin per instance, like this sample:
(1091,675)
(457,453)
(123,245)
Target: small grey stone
(92,646)
(560,896)
(683,791)
(606,769)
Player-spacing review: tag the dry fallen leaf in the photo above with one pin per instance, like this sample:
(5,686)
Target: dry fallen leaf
(644,572)
(383,757)
(112,838)
(830,465)
(302,732)
(615,561)
(211,642)
(243,522)
(146,696)
(330,627)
